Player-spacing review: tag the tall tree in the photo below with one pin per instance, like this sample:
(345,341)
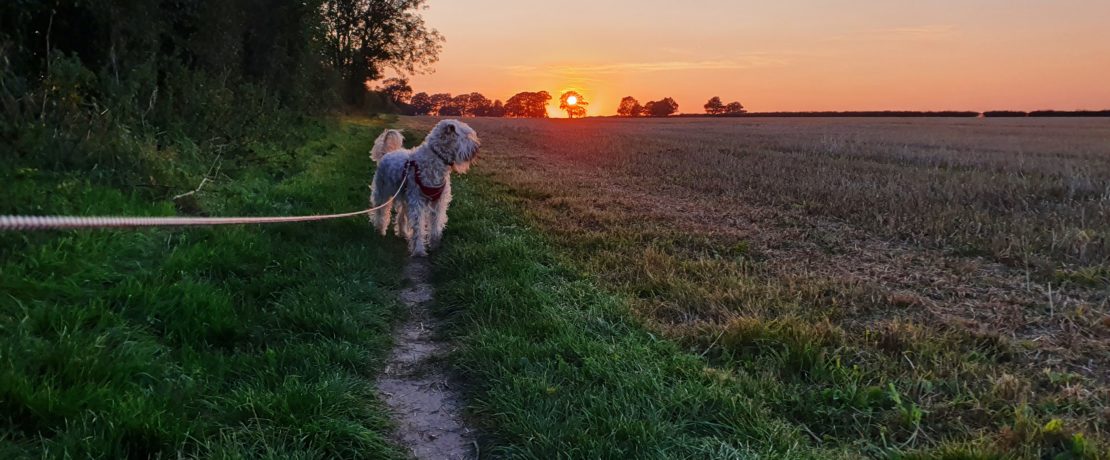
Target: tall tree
(421,104)
(661,108)
(451,110)
(438,101)
(496,110)
(477,105)
(528,104)
(461,102)
(397,89)
(628,103)
(714,106)
(574,104)
(363,36)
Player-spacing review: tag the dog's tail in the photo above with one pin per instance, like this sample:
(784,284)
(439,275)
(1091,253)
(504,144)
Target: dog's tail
(388,141)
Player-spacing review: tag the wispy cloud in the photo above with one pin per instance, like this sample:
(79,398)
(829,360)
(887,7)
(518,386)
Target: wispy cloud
(929,32)
(678,51)
(746,62)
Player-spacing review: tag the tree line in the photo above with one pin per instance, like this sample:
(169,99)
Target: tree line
(399,94)
(220,72)
(527,104)
(524,104)
(534,105)
(630,107)
(1047,113)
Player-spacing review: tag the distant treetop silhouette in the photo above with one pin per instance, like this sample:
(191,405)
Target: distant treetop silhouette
(528,105)
(716,107)
(629,107)
(661,108)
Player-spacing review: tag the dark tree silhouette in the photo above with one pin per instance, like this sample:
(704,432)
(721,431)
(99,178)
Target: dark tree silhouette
(464,105)
(461,102)
(361,36)
(496,110)
(528,105)
(450,110)
(629,107)
(714,106)
(734,108)
(1004,113)
(421,104)
(576,110)
(302,52)
(397,89)
(438,102)
(661,108)
(478,105)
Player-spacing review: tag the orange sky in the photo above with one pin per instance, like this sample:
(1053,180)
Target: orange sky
(780,55)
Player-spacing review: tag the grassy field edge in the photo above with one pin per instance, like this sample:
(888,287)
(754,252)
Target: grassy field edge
(556,367)
(229,342)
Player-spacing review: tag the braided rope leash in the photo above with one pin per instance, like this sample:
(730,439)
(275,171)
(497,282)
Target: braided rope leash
(24,223)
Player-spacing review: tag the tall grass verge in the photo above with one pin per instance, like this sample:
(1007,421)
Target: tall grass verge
(214,342)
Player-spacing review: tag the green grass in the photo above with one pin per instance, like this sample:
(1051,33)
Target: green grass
(557,368)
(242,342)
(216,342)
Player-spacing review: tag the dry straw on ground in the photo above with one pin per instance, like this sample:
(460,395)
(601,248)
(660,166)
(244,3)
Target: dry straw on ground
(965,259)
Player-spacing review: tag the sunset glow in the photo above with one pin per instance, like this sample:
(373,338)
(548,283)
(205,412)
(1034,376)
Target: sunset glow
(572,100)
(788,55)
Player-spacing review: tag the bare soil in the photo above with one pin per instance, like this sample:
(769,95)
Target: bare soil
(416,384)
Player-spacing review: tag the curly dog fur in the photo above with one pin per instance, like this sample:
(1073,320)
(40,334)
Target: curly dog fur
(451,146)
(388,141)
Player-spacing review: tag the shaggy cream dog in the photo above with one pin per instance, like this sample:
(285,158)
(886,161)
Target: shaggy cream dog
(423,176)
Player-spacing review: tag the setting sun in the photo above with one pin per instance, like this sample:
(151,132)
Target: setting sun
(832,57)
(592,229)
(573,103)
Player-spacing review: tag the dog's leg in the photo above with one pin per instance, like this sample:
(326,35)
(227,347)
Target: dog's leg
(400,223)
(380,217)
(418,228)
(439,217)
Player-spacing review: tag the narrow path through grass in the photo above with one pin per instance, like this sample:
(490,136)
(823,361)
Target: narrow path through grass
(416,385)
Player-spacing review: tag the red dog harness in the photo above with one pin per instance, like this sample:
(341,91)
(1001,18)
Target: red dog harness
(431,193)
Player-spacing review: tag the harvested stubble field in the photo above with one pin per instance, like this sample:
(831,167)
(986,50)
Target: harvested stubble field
(930,286)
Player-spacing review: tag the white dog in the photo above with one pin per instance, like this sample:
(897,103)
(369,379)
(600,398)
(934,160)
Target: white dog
(425,175)
(388,141)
